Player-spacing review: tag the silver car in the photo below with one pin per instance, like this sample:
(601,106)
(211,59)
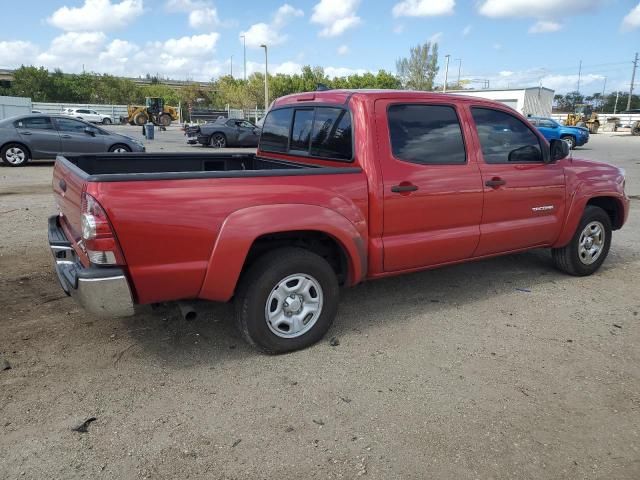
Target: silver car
(38,136)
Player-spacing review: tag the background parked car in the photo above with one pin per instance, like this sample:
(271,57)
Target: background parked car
(225,132)
(552,130)
(37,136)
(88,115)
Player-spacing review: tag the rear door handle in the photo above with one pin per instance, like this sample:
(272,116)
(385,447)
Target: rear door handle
(495,182)
(65,136)
(26,133)
(404,188)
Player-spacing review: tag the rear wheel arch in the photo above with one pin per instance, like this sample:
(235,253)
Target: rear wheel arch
(250,232)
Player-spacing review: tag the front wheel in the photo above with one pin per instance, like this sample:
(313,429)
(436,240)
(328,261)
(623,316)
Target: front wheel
(120,149)
(287,300)
(570,140)
(106,121)
(589,246)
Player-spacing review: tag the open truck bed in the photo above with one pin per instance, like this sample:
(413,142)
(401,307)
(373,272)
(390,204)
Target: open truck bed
(168,166)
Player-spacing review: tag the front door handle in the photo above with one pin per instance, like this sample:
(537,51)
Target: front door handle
(403,188)
(65,136)
(495,182)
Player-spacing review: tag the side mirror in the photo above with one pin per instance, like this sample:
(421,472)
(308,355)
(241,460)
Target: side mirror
(527,153)
(90,131)
(559,150)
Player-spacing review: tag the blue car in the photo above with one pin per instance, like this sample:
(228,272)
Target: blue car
(552,130)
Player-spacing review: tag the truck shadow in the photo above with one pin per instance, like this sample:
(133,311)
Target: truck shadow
(212,338)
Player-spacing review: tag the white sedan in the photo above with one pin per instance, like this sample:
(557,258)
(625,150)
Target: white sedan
(87,115)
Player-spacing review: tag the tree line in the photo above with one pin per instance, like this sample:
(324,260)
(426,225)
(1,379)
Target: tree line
(417,72)
(600,103)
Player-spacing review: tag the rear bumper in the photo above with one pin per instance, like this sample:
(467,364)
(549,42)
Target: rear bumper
(103,291)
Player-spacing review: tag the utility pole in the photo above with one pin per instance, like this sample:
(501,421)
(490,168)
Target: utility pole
(615,106)
(244,55)
(446,74)
(602,99)
(231,66)
(459,70)
(579,75)
(266,77)
(633,79)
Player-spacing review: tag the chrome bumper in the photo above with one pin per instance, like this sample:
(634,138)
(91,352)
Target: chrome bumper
(103,291)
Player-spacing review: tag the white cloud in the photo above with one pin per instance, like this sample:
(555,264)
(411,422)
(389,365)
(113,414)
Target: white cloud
(336,16)
(333,72)
(262,33)
(506,73)
(78,43)
(287,68)
(423,8)
(194,46)
(632,19)
(343,50)
(545,26)
(398,29)
(203,17)
(536,8)
(466,31)
(436,37)
(541,77)
(270,33)
(285,13)
(96,15)
(16,53)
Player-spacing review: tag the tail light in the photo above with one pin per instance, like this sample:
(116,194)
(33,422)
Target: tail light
(99,240)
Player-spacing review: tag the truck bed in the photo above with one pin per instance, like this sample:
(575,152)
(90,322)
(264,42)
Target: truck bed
(169,166)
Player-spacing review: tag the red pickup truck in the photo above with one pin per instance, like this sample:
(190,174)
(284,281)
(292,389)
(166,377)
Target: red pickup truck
(346,186)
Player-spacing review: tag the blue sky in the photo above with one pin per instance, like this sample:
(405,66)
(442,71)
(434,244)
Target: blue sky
(511,43)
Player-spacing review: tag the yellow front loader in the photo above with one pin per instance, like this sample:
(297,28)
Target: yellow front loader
(153,110)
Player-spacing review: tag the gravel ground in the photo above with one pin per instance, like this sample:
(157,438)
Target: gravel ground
(498,369)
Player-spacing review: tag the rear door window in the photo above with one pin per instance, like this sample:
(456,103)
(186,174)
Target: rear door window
(34,123)
(70,125)
(426,134)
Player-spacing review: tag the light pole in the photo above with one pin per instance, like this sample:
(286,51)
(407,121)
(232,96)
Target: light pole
(266,76)
(446,74)
(244,55)
(459,70)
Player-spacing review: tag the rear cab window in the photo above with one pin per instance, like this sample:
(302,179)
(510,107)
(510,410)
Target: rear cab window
(312,131)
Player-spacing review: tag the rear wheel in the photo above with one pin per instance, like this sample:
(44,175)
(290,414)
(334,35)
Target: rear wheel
(106,121)
(287,300)
(589,246)
(218,140)
(140,119)
(570,140)
(120,148)
(14,155)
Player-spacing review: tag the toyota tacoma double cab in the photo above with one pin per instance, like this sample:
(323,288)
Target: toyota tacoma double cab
(346,186)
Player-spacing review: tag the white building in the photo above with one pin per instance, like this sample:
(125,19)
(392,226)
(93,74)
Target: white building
(10,106)
(528,101)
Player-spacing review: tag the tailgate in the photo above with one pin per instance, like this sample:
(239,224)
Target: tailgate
(68,186)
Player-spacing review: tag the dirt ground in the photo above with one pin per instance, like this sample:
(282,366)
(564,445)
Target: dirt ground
(500,369)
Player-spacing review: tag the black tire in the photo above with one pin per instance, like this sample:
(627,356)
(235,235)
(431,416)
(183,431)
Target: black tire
(568,258)
(165,120)
(218,140)
(570,140)
(140,119)
(259,281)
(106,121)
(15,155)
(118,147)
